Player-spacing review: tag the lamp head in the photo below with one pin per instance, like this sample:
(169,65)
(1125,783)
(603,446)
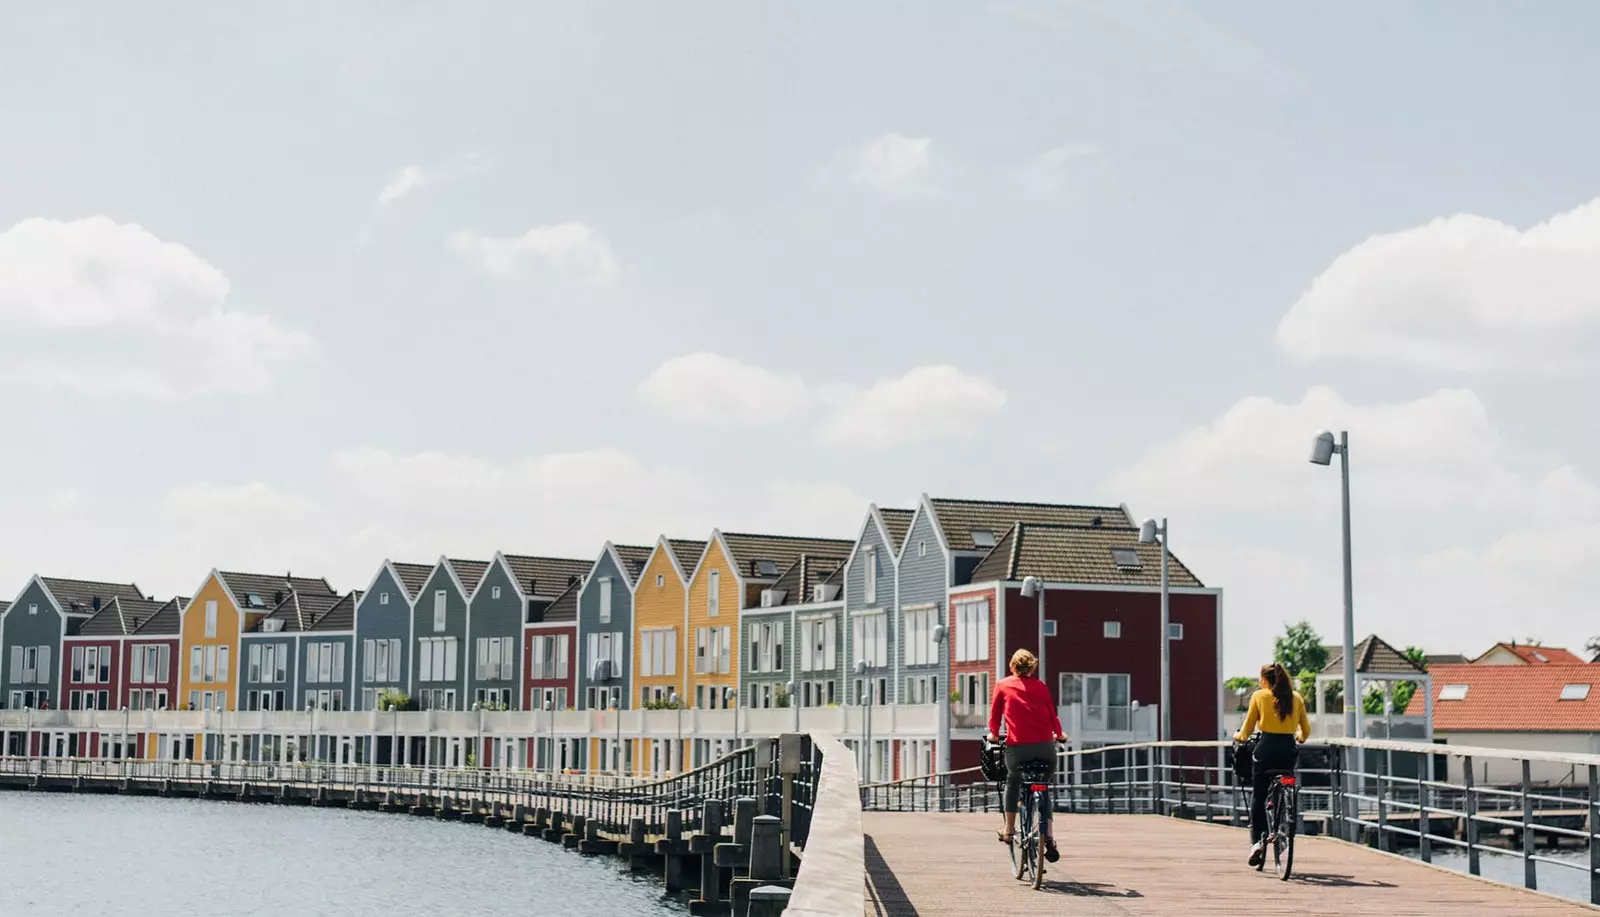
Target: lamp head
(861,667)
(938,633)
(1147,532)
(1322,448)
(1030,586)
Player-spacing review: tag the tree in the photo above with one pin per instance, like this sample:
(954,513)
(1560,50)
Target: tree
(1405,689)
(1241,681)
(1300,649)
(1592,648)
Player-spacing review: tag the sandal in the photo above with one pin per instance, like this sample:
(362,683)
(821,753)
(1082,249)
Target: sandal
(1051,852)
(1003,837)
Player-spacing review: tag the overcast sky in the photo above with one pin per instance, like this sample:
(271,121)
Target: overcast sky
(301,286)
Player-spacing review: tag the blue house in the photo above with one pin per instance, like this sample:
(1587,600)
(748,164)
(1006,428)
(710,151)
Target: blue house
(439,630)
(383,630)
(871,626)
(515,589)
(605,626)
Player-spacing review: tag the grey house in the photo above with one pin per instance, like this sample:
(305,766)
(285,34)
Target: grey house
(605,626)
(327,654)
(793,637)
(270,678)
(383,630)
(871,629)
(439,631)
(514,590)
(32,628)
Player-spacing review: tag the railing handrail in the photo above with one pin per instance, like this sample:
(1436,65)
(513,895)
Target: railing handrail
(1466,751)
(829,882)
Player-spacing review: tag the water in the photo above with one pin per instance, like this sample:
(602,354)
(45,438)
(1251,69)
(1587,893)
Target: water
(1507,869)
(67,856)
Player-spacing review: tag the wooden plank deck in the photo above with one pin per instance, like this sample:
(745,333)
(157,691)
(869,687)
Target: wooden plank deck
(931,864)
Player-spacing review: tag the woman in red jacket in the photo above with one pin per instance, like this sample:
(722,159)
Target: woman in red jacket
(1033,728)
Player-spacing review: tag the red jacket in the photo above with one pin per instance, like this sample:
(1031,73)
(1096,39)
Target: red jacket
(1028,710)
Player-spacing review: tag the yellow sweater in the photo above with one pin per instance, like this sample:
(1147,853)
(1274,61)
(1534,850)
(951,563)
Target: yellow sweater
(1264,714)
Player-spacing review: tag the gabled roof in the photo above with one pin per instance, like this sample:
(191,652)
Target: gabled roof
(898,523)
(686,551)
(1080,554)
(958,518)
(1513,698)
(1434,659)
(412,577)
(4,604)
(167,621)
(545,577)
(269,589)
(119,617)
(747,551)
(807,571)
(564,610)
(298,611)
(1535,655)
(633,558)
(341,616)
(1373,657)
(469,573)
(76,596)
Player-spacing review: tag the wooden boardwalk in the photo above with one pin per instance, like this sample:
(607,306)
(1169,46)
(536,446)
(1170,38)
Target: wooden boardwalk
(930,864)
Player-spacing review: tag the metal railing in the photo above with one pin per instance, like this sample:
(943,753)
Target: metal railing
(1418,798)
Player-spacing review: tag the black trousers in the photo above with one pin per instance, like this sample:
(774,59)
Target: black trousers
(1276,753)
(1018,755)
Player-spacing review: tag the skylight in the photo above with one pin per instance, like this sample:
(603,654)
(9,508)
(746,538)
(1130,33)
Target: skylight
(1453,692)
(1540,656)
(983,538)
(1125,557)
(1575,692)
(766,568)
(254,601)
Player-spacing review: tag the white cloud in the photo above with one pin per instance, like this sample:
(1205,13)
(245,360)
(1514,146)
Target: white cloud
(1460,293)
(1055,172)
(97,306)
(713,389)
(928,402)
(567,249)
(1459,539)
(405,181)
(416,178)
(891,164)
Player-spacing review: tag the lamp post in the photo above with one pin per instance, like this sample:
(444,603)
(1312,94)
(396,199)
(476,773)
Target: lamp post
(865,698)
(676,758)
(125,753)
(730,700)
(942,713)
(616,714)
(394,733)
(311,710)
(477,751)
(1323,449)
(788,695)
(1150,533)
(550,736)
(1033,588)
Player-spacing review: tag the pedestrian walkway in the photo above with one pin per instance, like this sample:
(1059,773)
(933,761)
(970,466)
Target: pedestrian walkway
(931,864)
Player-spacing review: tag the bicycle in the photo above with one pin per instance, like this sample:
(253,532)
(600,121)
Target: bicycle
(1283,806)
(1026,845)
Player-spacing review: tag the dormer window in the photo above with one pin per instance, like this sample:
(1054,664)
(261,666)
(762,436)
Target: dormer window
(983,538)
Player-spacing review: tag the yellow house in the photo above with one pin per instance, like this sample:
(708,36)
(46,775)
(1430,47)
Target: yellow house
(223,608)
(732,572)
(658,614)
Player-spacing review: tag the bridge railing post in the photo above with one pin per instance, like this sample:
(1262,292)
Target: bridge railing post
(1424,817)
(1470,814)
(1383,802)
(1530,868)
(1593,836)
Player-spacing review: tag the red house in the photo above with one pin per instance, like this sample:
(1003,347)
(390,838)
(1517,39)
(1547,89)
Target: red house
(119,657)
(1102,653)
(550,663)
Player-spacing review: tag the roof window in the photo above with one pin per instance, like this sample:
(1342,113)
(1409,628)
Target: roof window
(1453,692)
(983,538)
(766,568)
(1125,558)
(254,601)
(1575,692)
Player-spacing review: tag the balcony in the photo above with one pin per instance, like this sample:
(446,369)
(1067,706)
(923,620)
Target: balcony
(1085,724)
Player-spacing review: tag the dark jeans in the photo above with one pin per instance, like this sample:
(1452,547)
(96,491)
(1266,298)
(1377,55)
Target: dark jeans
(1018,755)
(1276,753)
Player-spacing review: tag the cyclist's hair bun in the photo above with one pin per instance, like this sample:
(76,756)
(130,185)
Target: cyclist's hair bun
(1024,662)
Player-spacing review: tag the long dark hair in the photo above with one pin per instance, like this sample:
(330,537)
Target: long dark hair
(1277,678)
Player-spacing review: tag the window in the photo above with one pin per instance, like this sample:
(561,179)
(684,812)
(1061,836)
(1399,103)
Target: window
(1106,699)
(314,662)
(922,549)
(982,538)
(210,664)
(1453,692)
(136,665)
(920,648)
(658,651)
(872,639)
(605,600)
(1575,692)
(211,618)
(1113,630)
(77,663)
(166,664)
(369,660)
(660,581)
(714,594)
(383,598)
(766,647)
(563,651)
(440,603)
(819,639)
(1049,627)
(253,673)
(972,631)
(1174,630)
(1125,558)
(767,568)
(871,589)
(222,663)
(494,593)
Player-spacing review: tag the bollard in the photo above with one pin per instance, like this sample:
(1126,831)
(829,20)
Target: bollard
(766,848)
(768,901)
(636,831)
(744,810)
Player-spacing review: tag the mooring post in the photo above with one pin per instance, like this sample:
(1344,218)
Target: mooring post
(768,901)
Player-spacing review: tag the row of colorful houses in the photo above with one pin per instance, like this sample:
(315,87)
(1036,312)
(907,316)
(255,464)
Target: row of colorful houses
(749,620)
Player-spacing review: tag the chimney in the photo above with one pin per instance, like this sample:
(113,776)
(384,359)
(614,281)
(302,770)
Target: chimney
(95,603)
(277,597)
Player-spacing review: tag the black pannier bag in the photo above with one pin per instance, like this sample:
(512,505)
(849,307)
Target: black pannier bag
(1244,760)
(992,761)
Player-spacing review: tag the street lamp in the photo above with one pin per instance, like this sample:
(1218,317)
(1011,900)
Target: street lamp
(311,710)
(1032,587)
(865,698)
(677,750)
(477,753)
(550,739)
(1323,449)
(788,695)
(616,713)
(942,713)
(125,753)
(1150,533)
(730,700)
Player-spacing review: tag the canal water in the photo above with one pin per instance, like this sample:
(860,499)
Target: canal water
(66,856)
(1553,879)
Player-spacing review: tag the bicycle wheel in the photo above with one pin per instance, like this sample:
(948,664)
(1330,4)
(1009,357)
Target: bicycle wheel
(1272,819)
(1038,860)
(1283,836)
(1021,841)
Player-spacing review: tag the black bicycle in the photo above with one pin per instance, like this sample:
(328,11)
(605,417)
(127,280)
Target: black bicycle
(1026,844)
(1283,808)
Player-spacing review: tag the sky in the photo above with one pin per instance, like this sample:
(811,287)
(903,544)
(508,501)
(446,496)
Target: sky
(304,286)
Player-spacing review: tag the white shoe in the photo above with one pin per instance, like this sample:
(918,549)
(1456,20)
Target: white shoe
(1258,852)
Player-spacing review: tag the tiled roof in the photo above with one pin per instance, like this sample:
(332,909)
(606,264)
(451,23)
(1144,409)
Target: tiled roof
(299,610)
(1373,657)
(564,608)
(167,621)
(119,617)
(1513,698)
(341,616)
(1434,659)
(270,588)
(633,557)
(898,522)
(469,572)
(4,604)
(1079,554)
(550,576)
(687,552)
(1536,655)
(77,596)
(782,550)
(807,571)
(412,577)
(959,518)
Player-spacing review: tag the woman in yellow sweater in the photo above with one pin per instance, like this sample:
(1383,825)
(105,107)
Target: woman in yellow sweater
(1279,712)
